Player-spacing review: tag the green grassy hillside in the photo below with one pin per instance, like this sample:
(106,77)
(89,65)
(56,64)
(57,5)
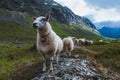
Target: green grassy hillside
(20,27)
(12,31)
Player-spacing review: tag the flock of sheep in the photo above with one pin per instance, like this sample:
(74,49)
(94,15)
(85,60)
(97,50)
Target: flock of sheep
(49,43)
(69,43)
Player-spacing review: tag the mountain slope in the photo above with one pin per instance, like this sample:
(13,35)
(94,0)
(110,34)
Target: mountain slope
(41,7)
(21,11)
(110,32)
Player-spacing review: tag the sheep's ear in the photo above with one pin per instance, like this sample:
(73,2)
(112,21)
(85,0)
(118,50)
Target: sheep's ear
(47,17)
(33,18)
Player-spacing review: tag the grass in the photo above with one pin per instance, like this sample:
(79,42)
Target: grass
(12,57)
(13,30)
(61,30)
(106,54)
(74,30)
(109,55)
(85,32)
(3,12)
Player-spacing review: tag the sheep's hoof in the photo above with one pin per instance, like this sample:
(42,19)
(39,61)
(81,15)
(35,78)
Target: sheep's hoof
(44,70)
(50,71)
(57,62)
(70,55)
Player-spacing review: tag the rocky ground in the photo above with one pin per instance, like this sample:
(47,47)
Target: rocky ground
(75,69)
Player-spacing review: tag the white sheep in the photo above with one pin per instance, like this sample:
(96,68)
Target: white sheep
(69,44)
(81,41)
(48,42)
(107,42)
(101,40)
(88,42)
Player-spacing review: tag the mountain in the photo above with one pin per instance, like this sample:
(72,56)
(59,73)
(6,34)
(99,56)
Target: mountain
(21,11)
(111,24)
(110,32)
(40,7)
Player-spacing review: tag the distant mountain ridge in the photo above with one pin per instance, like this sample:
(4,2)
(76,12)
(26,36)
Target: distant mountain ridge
(111,24)
(110,32)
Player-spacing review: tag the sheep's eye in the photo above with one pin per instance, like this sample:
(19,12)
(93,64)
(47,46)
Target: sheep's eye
(42,20)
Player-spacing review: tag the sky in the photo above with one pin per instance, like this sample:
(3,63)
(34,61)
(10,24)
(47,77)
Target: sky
(96,10)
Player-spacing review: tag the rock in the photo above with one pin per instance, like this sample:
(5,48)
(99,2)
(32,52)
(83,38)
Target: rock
(76,56)
(74,69)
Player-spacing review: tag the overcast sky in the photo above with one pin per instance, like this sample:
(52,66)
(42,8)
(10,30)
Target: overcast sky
(95,10)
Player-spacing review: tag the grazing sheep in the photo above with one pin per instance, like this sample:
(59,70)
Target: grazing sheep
(101,40)
(69,44)
(88,42)
(48,42)
(81,41)
(107,42)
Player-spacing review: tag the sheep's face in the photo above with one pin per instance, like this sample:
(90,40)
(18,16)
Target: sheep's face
(75,40)
(81,42)
(40,22)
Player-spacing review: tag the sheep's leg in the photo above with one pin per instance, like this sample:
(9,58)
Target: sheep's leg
(69,53)
(51,60)
(56,56)
(44,61)
(51,64)
(44,64)
(65,54)
(57,60)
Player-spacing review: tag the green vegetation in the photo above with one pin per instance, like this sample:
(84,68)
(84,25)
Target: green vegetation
(106,54)
(109,55)
(13,57)
(85,32)
(74,30)
(13,30)
(61,30)
(3,12)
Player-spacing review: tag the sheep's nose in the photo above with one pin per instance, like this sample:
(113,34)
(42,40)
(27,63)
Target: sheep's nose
(34,25)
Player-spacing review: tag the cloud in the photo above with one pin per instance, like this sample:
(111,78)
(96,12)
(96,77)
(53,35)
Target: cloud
(106,15)
(104,3)
(96,10)
(77,6)
(111,24)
